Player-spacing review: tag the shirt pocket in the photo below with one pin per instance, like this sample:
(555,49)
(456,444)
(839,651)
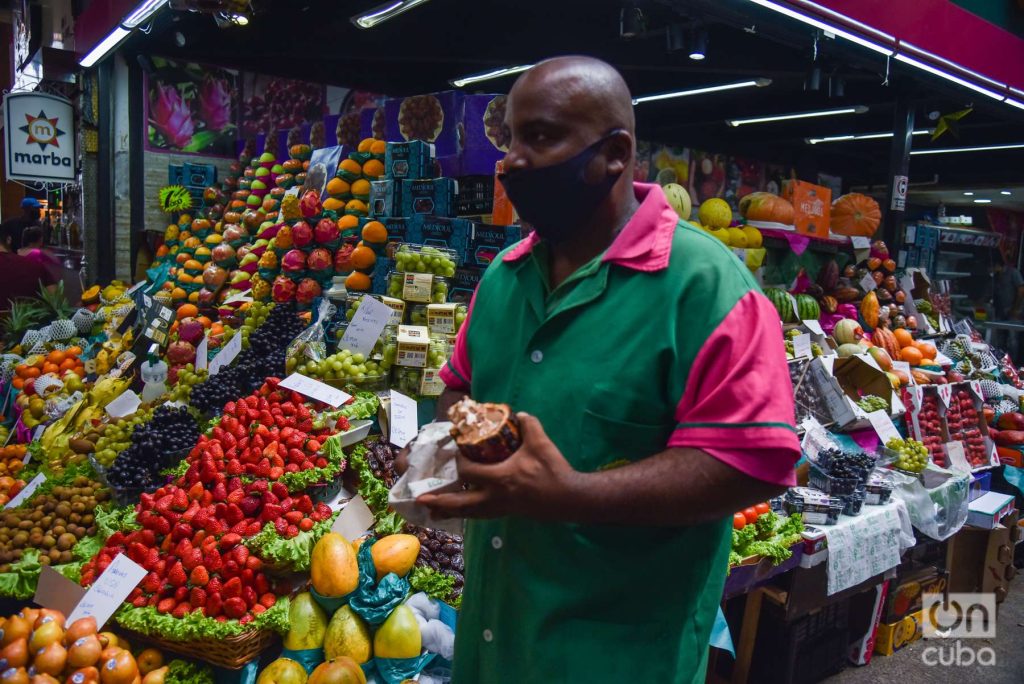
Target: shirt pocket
(621,426)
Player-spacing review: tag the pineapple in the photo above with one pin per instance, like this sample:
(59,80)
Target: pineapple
(24,314)
(57,305)
(83,321)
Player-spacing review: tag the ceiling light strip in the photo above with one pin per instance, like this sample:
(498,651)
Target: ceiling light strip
(981,148)
(906,59)
(488,75)
(859,136)
(829,28)
(752,83)
(797,115)
(105,46)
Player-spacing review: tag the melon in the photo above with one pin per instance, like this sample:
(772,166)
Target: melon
(715,213)
(847,331)
(846,350)
(679,199)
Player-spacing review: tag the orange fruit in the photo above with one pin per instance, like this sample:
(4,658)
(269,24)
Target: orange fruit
(911,355)
(161,251)
(32,372)
(50,367)
(927,350)
(333,204)
(18,383)
(373,168)
(193,297)
(187,311)
(363,258)
(903,337)
(337,186)
(348,222)
(73,350)
(21,370)
(357,281)
(67,364)
(205,321)
(374,232)
(56,356)
(378,147)
(178,294)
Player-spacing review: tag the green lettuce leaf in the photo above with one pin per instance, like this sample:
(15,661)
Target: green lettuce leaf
(288,555)
(303,479)
(178,470)
(86,548)
(363,408)
(20,582)
(434,584)
(115,519)
(375,494)
(188,672)
(195,625)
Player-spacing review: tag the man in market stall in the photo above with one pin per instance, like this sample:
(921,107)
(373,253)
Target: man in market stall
(655,401)
(31,211)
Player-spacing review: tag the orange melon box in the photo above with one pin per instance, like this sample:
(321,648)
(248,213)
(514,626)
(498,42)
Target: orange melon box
(812,207)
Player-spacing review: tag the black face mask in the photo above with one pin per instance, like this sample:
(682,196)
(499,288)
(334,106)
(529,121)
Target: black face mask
(557,200)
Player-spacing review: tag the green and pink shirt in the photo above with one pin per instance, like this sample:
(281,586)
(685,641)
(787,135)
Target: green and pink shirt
(662,341)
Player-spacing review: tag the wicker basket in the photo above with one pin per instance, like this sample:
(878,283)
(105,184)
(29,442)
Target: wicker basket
(231,652)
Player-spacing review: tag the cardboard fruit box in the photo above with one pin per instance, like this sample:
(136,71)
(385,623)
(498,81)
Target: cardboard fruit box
(860,376)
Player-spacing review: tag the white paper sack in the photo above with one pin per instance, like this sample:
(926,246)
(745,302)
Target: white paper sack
(432,469)
(437,636)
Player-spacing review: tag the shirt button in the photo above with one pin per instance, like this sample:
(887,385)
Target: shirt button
(496,542)
(488,636)
(537,356)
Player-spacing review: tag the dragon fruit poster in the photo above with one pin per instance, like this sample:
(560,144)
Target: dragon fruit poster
(191,108)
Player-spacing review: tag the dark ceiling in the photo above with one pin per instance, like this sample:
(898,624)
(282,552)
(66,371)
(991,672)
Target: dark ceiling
(444,39)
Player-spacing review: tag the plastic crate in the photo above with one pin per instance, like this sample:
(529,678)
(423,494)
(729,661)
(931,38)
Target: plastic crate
(836,486)
(805,650)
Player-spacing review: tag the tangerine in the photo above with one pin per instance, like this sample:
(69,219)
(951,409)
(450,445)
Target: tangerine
(178,294)
(50,368)
(348,222)
(927,350)
(363,258)
(68,364)
(205,321)
(903,337)
(357,281)
(187,311)
(373,169)
(56,356)
(374,232)
(912,355)
(73,350)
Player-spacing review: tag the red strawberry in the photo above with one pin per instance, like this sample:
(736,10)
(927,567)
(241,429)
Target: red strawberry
(161,568)
(261,584)
(234,514)
(180,594)
(241,554)
(197,597)
(296,455)
(246,574)
(246,619)
(253,528)
(234,607)
(166,605)
(235,497)
(293,517)
(263,468)
(276,472)
(216,527)
(281,526)
(249,596)
(292,531)
(193,559)
(162,526)
(306,425)
(304,504)
(323,509)
(229,541)
(321,462)
(199,576)
(279,490)
(291,468)
(253,563)
(258,609)
(214,604)
(182,531)
(215,586)
(306,524)
(220,492)
(151,583)
(182,610)
(232,588)
(271,512)
(140,601)
(179,500)
(312,446)
(230,568)
(147,538)
(176,575)
(163,504)
(235,467)
(195,492)
(268,600)
(240,527)
(212,561)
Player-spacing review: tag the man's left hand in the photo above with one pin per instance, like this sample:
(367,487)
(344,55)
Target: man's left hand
(535,482)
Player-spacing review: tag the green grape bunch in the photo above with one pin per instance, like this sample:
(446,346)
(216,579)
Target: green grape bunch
(188,377)
(912,456)
(343,365)
(116,436)
(425,259)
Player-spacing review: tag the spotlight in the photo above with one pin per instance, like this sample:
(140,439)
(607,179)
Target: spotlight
(813,80)
(699,50)
(179,39)
(836,86)
(631,22)
(676,38)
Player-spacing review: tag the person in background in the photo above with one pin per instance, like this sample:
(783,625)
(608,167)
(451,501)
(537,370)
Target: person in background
(13,228)
(19,276)
(33,249)
(1007,289)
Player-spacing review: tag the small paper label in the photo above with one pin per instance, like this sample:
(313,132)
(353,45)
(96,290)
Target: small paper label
(226,355)
(354,520)
(814,327)
(802,346)
(441,318)
(883,426)
(28,491)
(57,592)
(901,366)
(240,296)
(417,287)
(397,307)
(911,234)
(109,591)
(421,487)
(40,429)
(413,345)
(314,389)
(366,326)
(202,351)
(867,283)
(431,385)
(404,424)
(860,242)
(125,404)
(945,394)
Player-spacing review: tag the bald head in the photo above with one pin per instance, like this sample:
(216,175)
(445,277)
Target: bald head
(582,89)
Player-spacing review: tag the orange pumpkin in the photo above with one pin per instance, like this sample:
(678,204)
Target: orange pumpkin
(856,214)
(764,206)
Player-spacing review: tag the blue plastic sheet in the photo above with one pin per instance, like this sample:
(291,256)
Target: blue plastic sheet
(373,601)
(1014,476)
(721,638)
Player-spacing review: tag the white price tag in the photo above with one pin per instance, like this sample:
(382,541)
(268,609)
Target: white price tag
(814,327)
(867,283)
(28,491)
(203,351)
(883,426)
(226,355)
(976,387)
(40,429)
(740,253)
(945,394)
(355,519)
(860,242)
(802,346)
(957,457)
(125,404)
(109,590)
(404,424)
(911,234)
(240,296)
(314,389)
(366,326)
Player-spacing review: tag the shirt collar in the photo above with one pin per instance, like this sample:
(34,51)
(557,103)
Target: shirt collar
(643,244)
